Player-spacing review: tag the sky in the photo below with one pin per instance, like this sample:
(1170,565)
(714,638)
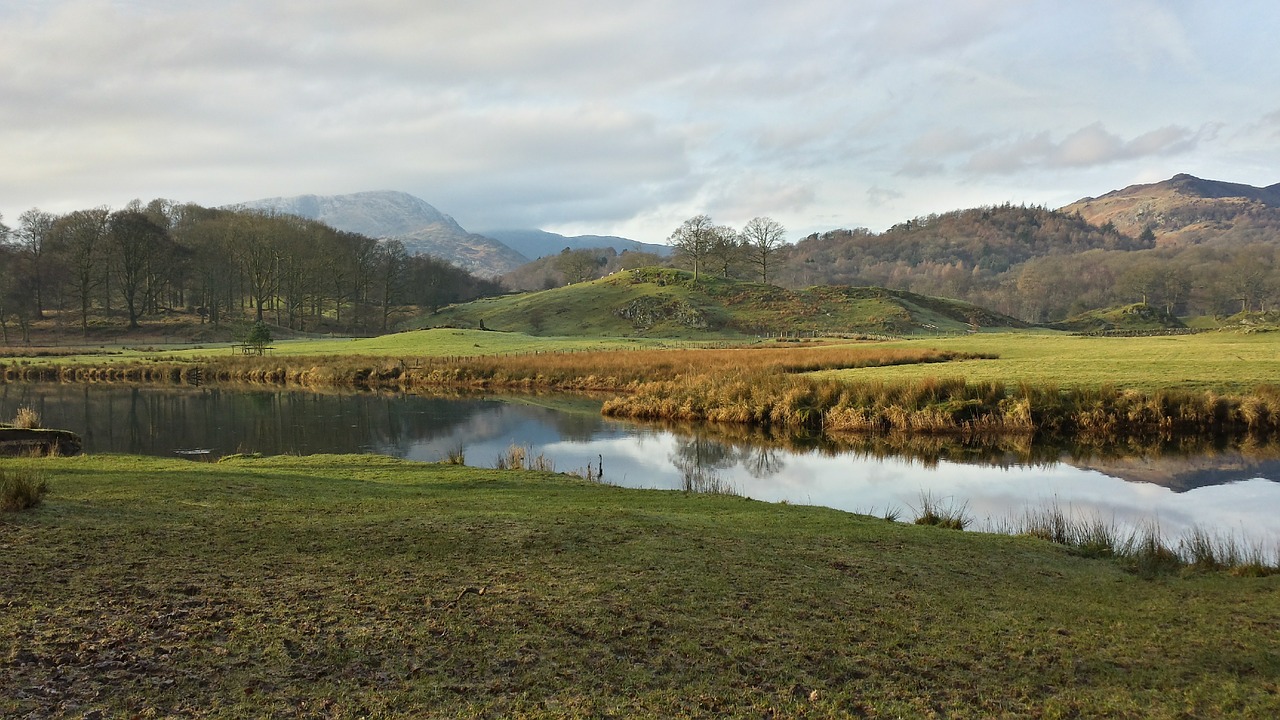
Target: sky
(626,118)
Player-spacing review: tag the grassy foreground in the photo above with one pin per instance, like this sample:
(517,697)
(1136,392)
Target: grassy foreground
(366,586)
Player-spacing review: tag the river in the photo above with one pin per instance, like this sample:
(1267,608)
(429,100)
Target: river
(1225,490)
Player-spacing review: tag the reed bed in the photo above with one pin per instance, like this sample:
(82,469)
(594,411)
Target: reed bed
(948,406)
(762,387)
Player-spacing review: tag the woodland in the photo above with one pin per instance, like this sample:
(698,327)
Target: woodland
(151,260)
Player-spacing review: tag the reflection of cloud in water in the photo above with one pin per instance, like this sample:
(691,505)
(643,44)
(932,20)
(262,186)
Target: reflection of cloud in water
(862,484)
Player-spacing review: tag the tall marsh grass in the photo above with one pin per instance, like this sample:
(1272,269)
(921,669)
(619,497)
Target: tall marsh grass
(1145,549)
(944,513)
(521,457)
(946,406)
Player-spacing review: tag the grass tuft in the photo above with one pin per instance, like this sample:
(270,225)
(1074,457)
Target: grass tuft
(521,457)
(939,513)
(456,455)
(21,490)
(27,419)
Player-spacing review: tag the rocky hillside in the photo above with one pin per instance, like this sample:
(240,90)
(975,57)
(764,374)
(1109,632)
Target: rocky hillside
(385,214)
(1188,210)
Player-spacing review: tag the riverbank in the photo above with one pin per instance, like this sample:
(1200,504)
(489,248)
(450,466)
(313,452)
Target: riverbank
(1107,390)
(357,585)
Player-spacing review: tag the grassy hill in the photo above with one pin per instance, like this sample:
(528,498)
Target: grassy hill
(1139,317)
(664,302)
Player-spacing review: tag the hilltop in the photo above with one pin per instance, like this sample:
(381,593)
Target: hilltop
(1187,210)
(665,302)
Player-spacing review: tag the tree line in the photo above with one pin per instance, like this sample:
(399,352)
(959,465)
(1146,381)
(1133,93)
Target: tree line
(1032,263)
(221,264)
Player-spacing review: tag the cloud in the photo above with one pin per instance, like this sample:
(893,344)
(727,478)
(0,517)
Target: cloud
(880,196)
(1090,146)
(616,114)
(928,152)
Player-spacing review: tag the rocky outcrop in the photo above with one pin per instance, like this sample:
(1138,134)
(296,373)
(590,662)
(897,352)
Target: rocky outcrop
(40,441)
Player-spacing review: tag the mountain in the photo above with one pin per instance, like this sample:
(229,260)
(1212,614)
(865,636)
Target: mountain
(665,302)
(389,215)
(535,244)
(1187,210)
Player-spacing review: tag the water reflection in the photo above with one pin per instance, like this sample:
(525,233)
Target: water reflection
(1226,485)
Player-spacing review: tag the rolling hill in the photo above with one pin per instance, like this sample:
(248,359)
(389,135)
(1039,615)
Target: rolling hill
(664,302)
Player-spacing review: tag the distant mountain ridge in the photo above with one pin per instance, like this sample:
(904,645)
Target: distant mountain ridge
(535,244)
(388,215)
(379,213)
(1186,209)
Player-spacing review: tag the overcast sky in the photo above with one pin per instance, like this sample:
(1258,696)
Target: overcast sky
(628,117)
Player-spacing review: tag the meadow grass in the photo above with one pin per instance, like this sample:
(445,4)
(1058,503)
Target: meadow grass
(1222,362)
(438,342)
(585,369)
(368,586)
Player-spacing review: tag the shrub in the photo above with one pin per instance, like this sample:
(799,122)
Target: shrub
(20,490)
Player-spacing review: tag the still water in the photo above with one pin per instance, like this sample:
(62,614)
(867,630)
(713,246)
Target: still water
(1225,490)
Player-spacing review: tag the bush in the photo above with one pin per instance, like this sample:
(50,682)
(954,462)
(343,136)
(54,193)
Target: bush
(20,490)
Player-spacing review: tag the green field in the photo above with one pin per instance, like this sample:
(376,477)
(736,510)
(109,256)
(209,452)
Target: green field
(1218,361)
(365,586)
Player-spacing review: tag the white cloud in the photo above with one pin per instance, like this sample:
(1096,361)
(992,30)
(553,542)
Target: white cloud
(1089,146)
(624,115)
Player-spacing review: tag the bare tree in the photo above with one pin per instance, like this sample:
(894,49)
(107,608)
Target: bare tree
(393,262)
(692,241)
(80,238)
(33,238)
(254,251)
(762,238)
(726,249)
(134,242)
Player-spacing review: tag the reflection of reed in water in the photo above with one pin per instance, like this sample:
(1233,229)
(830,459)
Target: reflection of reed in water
(989,449)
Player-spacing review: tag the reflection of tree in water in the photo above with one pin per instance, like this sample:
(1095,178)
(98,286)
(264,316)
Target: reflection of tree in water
(700,459)
(763,461)
(158,420)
